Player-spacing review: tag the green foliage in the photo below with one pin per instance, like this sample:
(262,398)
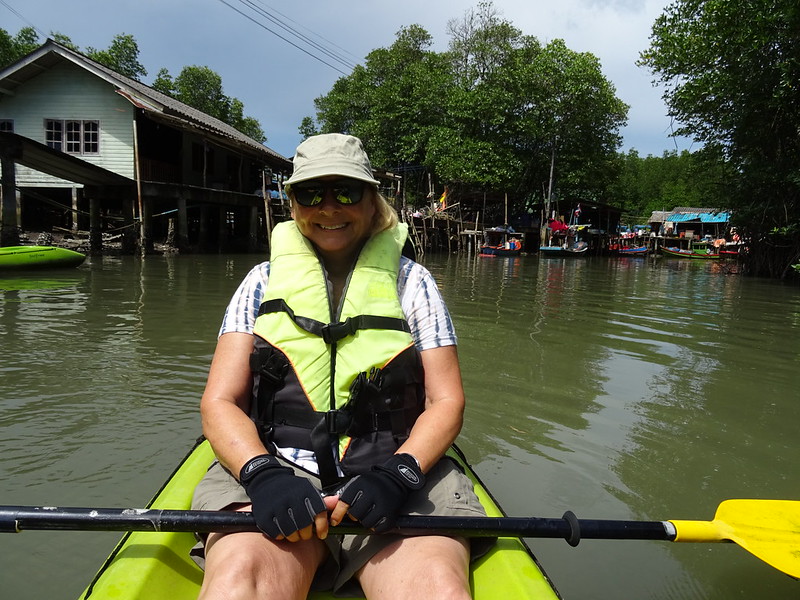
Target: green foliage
(487,113)
(164,82)
(661,183)
(64,40)
(730,70)
(122,56)
(201,88)
(12,48)
(247,125)
(307,128)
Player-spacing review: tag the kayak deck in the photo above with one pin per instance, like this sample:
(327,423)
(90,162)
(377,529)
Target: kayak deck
(152,566)
(21,258)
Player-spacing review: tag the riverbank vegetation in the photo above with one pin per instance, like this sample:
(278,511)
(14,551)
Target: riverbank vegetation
(500,112)
(730,71)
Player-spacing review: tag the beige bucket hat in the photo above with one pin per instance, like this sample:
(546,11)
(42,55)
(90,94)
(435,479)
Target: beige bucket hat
(331,154)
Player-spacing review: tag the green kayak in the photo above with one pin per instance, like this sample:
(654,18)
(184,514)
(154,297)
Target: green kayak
(152,566)
(23,258)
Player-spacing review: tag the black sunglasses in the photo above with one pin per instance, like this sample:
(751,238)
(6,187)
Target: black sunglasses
(345,191)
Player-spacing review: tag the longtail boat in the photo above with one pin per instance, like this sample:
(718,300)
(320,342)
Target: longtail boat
(695,254)
(633,250)
(576,249)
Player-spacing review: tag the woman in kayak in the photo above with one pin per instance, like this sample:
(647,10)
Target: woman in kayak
(334,394)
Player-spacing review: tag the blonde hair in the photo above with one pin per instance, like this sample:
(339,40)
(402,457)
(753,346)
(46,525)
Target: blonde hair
(385,214)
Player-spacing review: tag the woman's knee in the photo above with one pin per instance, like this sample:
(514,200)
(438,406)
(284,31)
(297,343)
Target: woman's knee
(252,566)
(426,567)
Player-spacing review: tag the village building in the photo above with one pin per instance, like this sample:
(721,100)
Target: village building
(686,227)
(84,148)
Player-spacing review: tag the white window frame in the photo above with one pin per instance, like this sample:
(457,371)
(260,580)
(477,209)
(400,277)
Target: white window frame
(73,136)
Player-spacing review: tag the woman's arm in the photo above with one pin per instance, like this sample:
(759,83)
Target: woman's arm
(233,436)
(225,404)
(438,426)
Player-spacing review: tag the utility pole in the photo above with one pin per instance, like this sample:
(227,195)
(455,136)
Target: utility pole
(545,216)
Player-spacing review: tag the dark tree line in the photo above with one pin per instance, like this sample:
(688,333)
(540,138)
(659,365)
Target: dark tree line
(492,113)
(499,111)
(730,70)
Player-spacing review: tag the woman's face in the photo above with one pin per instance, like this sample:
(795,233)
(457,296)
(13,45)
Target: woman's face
(337,230)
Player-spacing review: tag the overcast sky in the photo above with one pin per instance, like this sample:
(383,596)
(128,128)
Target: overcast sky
(277,80)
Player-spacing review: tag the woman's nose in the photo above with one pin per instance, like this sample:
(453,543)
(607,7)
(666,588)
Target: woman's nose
(328,198)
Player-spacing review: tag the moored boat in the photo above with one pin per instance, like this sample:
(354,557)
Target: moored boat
(633,250)
(695,254)
(501,241)
(500,251)
(576,249)
(22,258)
(157,565)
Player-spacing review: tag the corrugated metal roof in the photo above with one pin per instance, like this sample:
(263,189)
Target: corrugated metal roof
(692,209)
(658,216)
(716,217)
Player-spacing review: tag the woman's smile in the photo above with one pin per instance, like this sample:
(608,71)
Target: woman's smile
(332,227)
(336,230)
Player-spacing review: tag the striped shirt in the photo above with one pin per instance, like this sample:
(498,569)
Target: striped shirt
(420,300)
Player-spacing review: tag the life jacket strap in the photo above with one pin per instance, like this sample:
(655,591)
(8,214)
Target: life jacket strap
(341,422)
(333,332)
(272,368)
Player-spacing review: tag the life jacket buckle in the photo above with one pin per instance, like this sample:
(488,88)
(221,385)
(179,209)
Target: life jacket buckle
(338,421)
(269,365)
(333,332)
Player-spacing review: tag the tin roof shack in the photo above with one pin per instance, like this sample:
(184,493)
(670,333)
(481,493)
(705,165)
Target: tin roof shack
(696,225)
(171,169)
(657,221)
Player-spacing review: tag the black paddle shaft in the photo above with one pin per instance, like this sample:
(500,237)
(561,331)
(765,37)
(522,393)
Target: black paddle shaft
(19,518)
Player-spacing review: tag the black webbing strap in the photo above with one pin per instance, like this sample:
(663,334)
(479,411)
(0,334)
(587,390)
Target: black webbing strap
(322,445)
(333,332)
(279,305)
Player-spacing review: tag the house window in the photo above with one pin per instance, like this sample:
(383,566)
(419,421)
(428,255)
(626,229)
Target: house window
(73,136)
(7,125)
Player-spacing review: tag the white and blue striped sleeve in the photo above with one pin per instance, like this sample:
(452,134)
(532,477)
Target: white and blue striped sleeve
(243,308)
(424,307)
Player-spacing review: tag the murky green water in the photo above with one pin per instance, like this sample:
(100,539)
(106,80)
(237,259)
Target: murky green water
(616,388)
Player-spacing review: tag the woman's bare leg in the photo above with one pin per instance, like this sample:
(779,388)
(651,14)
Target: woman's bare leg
(418,567)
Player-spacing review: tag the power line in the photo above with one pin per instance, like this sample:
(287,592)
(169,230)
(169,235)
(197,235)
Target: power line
(297,34)
(263,26)
(333,52)
(13,10)
(341,57)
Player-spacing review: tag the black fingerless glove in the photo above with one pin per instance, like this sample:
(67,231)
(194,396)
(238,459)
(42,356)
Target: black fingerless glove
(375,498)
(282,502)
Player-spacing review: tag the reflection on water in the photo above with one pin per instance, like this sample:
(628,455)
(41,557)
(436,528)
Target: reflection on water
(617,388)
(642,389)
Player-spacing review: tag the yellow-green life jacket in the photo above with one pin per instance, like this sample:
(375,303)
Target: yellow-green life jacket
(348,376)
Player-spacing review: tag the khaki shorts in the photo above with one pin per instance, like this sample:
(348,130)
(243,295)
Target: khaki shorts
(447,491)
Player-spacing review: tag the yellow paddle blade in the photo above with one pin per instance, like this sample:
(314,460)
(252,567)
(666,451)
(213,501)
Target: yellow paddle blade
(768,529)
